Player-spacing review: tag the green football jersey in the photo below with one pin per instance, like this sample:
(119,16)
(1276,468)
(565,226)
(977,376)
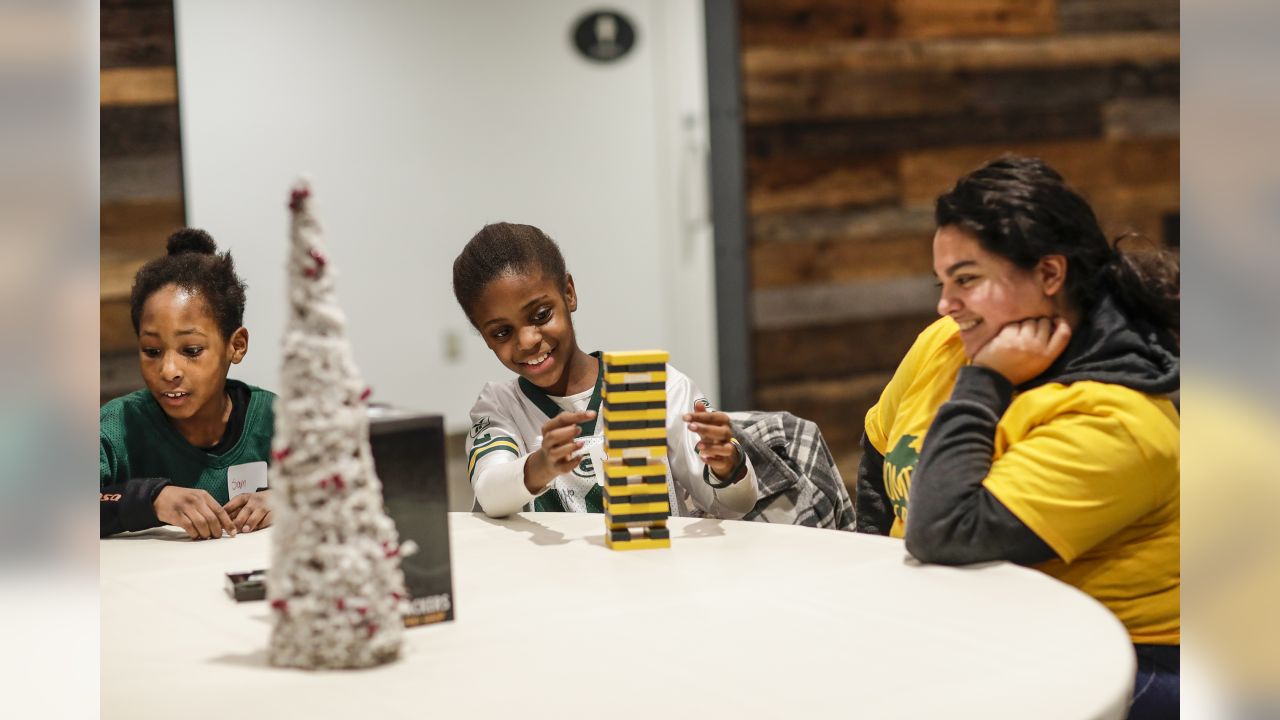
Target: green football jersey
(138,441)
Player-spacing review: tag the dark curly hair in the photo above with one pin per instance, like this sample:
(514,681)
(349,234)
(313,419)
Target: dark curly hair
(1022,209)
(499,249)
(193,264)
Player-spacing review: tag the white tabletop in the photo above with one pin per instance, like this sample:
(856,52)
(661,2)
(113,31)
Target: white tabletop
(736,619)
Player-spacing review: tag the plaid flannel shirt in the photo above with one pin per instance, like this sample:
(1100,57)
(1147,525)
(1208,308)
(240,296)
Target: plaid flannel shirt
(799,481)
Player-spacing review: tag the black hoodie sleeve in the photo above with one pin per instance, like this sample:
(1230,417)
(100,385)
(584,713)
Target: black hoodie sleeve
(871,510)
(129,505)
(952,519)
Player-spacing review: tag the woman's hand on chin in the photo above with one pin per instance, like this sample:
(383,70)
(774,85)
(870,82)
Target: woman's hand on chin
(1026,348)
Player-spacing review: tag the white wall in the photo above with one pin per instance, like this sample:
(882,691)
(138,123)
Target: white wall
(419,122)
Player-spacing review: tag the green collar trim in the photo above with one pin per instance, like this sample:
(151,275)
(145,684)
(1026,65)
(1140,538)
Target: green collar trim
(225,460)
(550,409)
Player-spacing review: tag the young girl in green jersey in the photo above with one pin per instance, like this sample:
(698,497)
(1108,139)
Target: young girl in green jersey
(527,448)
(190,449)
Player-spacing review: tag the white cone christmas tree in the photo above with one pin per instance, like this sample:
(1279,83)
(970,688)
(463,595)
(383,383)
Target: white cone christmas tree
(335,586)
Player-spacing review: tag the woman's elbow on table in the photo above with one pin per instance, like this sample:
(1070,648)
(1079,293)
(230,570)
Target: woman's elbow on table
(936,548)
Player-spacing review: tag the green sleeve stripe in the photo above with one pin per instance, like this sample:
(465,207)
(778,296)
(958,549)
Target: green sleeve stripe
(492,447)
(489,443)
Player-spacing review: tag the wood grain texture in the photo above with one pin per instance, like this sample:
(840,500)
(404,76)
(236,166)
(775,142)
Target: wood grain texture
(788,184)
(141,166)
(138,33)
(932,19)
(1141,117)
(792,306)
(119,373)
(1100,16)
(841,225)
(827,262)
(128,130)
(141,177)
(835,350)
(871,136)
(116,273)
(840,242)
(800,22)
(961,55)
(116,327)
(139,227)
(138,86)
(1094,167)
(853,94)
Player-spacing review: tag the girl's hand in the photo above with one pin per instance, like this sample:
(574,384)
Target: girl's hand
(1024,349)
(194,511)
(715,432)
(558,453)
(250,511)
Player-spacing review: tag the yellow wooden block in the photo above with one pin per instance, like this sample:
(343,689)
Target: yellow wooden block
(636,357)
(655,451)
(657,433)
(626,508)
(633,415)
(647,488)
(640,396)
(643,544)
(618,470)
(626,378)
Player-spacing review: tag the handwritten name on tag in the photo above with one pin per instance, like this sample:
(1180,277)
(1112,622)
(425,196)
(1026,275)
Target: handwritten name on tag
(246,478)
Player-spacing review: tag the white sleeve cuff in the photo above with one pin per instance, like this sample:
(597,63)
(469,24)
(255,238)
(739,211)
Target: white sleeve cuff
(499,486)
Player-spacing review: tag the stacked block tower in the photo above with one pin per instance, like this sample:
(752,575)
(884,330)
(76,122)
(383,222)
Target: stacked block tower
(636,502)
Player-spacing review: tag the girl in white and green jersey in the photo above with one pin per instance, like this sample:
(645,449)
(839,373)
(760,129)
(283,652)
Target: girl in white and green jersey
(528,445)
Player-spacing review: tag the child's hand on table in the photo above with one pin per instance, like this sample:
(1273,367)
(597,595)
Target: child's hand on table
(250,511)
(194,511)
(559,451)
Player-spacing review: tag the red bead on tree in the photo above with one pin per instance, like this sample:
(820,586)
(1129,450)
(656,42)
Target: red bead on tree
(296,197)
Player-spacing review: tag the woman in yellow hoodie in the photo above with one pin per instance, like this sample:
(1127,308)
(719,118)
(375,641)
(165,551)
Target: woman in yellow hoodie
(1033,422)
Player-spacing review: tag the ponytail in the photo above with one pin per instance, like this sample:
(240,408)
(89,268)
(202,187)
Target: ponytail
(1146,284)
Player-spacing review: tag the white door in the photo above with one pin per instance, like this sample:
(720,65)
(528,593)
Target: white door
(419,122)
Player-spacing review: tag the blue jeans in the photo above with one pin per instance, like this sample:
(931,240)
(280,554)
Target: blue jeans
(1155,690)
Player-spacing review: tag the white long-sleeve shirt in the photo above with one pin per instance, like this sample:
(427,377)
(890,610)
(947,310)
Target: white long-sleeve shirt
(506,427)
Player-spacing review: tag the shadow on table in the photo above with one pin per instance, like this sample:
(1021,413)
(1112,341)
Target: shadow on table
(910,561)
(164,532)
(539,534)
(704,528)
(258,659)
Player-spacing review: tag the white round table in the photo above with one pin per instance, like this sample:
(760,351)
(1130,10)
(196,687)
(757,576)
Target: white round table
(736,619)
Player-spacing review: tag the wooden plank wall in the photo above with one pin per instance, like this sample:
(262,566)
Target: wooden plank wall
(858,114)
(141,164)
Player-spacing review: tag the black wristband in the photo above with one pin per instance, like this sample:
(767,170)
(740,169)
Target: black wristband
(737,473)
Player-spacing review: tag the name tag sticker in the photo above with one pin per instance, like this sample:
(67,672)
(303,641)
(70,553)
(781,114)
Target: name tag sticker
(246,478)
